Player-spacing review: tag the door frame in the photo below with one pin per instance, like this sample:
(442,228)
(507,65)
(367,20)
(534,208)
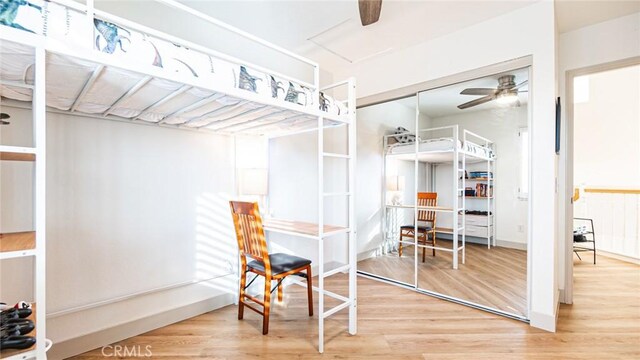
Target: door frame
(567,156)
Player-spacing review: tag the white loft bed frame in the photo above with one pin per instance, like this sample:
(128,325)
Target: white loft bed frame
(455,155)
(316,120)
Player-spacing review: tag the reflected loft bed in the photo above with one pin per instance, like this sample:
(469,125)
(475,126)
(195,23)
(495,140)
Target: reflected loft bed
(64,56)
(453,150)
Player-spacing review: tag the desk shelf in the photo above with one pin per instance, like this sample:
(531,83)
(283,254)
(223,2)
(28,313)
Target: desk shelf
(17,244)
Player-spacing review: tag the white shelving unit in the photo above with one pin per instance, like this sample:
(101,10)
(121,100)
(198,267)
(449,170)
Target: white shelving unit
(32,243)
(490,200)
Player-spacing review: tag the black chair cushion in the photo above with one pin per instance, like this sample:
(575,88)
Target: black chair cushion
(280,263)
(420,227)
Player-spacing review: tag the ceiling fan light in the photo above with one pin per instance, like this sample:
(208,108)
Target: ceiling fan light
(507,98)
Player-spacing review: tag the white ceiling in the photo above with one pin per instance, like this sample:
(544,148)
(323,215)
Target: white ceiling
(444,101)
(330,32)
(574,14)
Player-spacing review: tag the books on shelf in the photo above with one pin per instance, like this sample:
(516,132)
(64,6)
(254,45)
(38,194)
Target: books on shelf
(484,190)
(480,174)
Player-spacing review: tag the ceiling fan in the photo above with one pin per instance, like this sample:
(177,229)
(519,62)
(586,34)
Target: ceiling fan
(369,11)
(505,94)
(2,117)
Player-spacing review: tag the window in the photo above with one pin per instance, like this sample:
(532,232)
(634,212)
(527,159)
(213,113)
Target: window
(523,185)
(580,89)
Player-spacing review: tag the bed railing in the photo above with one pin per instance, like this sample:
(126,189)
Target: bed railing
(468,134)
(92,13)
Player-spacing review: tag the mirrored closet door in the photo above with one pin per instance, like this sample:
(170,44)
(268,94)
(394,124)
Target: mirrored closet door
(454,201)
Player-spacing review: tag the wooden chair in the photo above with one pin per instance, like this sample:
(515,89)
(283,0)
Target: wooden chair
(424,216)
(253,244)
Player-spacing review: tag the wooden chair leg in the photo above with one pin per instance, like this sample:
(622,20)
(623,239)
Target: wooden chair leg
(425,237)
(267,304)
(400,245)
(243,281)
(280,293)
(433,238)
(310,290)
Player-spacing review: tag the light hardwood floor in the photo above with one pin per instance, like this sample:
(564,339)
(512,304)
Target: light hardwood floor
(495,277)
(394,323)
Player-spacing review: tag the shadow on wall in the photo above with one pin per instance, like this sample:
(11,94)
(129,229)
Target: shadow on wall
(216,247)
(370,234)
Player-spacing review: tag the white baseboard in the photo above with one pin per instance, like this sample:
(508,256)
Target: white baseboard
(624,258)
(511,244)
(546,321)
(367,254)
(117,333)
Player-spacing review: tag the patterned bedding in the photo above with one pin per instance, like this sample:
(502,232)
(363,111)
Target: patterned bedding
(69,26)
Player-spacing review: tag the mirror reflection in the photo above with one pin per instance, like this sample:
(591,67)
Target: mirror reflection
(455,197)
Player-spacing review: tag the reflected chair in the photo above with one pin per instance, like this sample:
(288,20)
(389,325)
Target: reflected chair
(253,244)
(582,236)
(426,233)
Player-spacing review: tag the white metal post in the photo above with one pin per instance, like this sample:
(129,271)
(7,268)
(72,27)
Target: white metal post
(320,234)
(415,193)
(455,196)
(463,173)
(489,198)
(353,318)
(40,142)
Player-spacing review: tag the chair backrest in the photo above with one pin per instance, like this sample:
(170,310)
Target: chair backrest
(249,231)
(427,199)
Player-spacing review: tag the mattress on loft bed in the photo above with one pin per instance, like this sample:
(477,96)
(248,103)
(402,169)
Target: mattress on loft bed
(441,144)
(70,28)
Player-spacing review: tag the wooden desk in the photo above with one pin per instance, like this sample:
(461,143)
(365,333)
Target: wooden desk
(311,231)
(300,228)
(431,208)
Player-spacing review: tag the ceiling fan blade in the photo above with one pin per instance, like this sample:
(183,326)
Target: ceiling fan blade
(520,85)
(478,91)
(369,11)
(4,116)
(475,102)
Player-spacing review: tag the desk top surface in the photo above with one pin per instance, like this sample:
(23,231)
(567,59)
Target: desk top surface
(298,227)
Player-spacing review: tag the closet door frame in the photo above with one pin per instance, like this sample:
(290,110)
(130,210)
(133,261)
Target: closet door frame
(415,90)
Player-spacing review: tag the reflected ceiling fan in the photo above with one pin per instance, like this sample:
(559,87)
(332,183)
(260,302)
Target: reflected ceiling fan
(505,94)
(369,11)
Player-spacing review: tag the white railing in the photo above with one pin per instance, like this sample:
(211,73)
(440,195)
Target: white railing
(616,219)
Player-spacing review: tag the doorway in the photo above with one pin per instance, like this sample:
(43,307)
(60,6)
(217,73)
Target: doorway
(603,167)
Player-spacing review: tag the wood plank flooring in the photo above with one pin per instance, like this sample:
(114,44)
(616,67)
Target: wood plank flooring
(394,323)
(495,277)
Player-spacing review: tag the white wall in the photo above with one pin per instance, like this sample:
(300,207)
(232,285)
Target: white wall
(601,43)
(132,209)
(607,131)
(502,128)
(481,45)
